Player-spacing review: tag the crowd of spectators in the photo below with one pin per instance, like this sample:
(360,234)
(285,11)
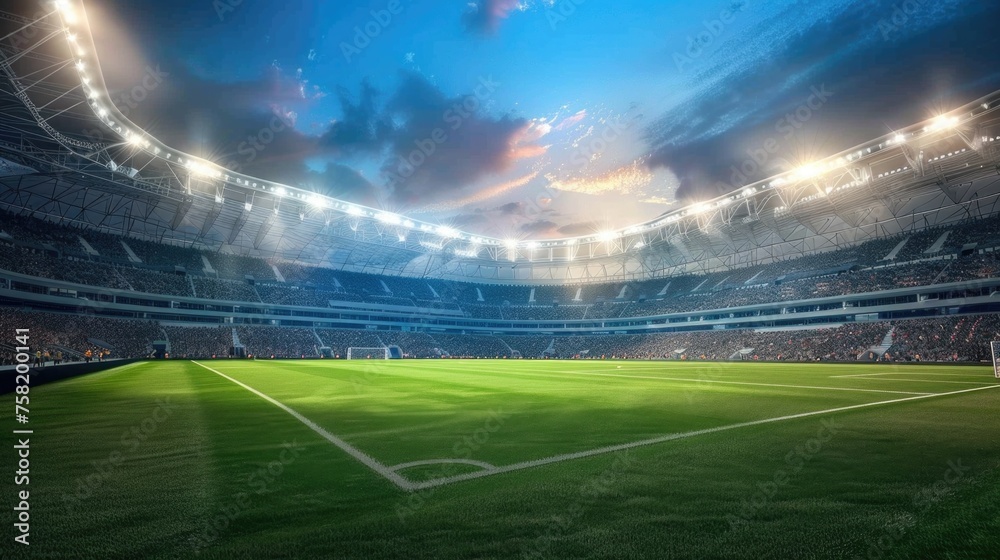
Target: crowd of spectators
(473,346)
(74,335)
(413,345)
(239,267)
(153,282)
(544,312)
(291,295)
(340,340)
(225,290)
(199,342)
(278,342)
(943,339)
(947,339)
(36,248)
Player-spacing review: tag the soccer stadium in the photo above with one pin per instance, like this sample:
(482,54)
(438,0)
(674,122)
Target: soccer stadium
(742,302)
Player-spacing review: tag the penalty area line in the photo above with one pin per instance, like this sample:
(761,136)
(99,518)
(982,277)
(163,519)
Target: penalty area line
(661,439)
(361,456)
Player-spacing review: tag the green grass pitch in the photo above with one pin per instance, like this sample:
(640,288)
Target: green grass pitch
(516,459)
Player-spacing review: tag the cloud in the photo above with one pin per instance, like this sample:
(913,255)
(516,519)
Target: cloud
(572,120)
(579,228)
(539,228)
(485,16)
(346,183)
(881,78)
(630,179)
(444,144)
(362,129)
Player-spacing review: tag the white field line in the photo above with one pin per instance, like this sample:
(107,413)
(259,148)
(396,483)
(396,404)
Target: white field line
(980,383)
(407,485)
(366,460)
(565,373)
(621,447)
(904,373)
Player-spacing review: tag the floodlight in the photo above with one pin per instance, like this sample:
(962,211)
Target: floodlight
(67,11)
(317,201)
(943,123)
(388,218)
(808,171)
(445,231)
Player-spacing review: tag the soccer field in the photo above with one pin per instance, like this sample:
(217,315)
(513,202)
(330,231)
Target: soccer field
(517,459)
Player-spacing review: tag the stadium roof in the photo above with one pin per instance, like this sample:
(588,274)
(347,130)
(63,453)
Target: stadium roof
(70,155)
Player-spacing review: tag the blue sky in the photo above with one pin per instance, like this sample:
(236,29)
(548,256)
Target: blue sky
(537,118)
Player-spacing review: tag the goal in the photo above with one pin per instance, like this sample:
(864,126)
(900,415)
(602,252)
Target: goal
(368,353)
(995,347)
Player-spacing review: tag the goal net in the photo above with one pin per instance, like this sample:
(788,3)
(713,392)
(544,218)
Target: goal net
(995,347)
(368,353)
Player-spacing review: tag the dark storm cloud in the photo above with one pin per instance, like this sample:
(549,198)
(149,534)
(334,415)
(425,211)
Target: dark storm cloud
(362,129)
(872,72)
(443,144)
(247,126)
(344,182)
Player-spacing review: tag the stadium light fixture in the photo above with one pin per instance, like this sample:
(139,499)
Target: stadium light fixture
(808,171)
(68,14)
(388,218)
(606,236)
(355,211)
(942,123)
(317,201)
(280,191)
(510,243)
(447,232)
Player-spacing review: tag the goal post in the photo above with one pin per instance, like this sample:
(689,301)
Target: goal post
(367,353)
(995,347)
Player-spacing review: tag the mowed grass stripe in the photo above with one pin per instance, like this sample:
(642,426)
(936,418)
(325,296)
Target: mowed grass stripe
(696,381)
(405,484)
(670,437)
(362,457)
